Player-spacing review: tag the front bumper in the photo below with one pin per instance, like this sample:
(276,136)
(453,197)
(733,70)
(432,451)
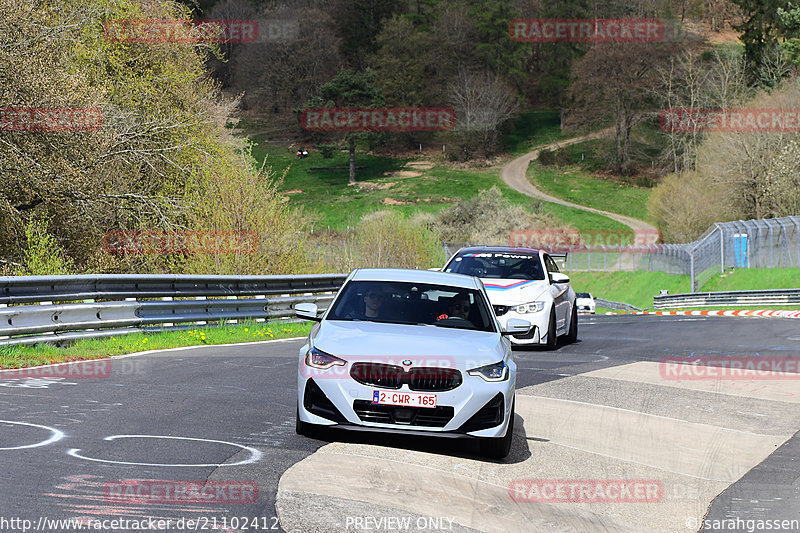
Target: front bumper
(474,409)
(540,322)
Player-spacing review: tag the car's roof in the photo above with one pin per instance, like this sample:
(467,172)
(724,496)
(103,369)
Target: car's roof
(497,249)
(415,276)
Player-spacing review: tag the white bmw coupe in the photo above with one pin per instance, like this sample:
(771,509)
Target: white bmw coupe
(524,284)
(411,352)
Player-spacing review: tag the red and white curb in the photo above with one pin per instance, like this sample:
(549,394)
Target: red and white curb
(763,313)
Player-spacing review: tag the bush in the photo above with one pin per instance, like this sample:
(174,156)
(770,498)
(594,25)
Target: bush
(383,239)
(546,157)
(685,205)
(563,157)
(488,218)
(388,239)
(327,150)
(42,256)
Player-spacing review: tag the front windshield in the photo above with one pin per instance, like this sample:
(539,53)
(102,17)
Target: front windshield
(498,265)
(413,303)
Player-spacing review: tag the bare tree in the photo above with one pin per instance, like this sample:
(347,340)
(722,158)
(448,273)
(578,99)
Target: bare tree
(744,163)
(695,81)
(482,103)
(615,83)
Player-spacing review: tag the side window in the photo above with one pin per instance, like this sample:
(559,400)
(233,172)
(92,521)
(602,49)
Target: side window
(551,265)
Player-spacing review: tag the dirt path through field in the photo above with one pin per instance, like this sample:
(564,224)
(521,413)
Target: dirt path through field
(514,174)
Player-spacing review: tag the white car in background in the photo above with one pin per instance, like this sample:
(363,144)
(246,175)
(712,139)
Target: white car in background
(523,284)
(585,302)
(410,352)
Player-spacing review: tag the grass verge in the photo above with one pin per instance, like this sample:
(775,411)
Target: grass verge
(635,288)
(42,354)
(638,288)
(533,129)
(386,184)
(755,279)
(574,185)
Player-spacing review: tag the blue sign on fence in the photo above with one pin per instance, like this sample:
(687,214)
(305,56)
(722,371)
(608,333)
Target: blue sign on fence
(740,250)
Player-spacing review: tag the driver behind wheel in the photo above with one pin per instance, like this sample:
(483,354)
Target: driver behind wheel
(457,308)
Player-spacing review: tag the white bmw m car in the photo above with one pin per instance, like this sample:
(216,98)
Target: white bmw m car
(524,284)
(412,352)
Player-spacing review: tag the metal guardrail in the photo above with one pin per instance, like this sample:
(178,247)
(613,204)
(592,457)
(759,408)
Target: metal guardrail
(616,306)
(27,289)
(28,314)
(727,298)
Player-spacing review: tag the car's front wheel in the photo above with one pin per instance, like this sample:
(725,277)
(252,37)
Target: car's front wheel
(499,448)
(572,334)
(303,428)
(552,335)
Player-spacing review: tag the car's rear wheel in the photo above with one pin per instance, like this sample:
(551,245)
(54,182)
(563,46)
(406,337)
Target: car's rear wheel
(572,334)
(499,448)
(552,335)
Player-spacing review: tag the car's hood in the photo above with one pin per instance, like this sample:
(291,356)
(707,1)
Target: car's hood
(514,291)
(394,343)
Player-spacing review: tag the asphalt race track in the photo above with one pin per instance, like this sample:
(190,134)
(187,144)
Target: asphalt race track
(135,445)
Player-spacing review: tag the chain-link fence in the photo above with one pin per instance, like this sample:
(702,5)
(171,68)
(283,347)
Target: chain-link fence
(762,243)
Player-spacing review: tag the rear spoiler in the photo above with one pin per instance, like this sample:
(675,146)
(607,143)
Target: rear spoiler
(559,255)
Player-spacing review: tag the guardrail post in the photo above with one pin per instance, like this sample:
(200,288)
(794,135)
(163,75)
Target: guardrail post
(233,321)
(201,322)
(261,297)
(167,299)
(3,337)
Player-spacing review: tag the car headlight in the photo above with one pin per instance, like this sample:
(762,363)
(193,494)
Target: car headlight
(493,372)
(530,307)
(319,359)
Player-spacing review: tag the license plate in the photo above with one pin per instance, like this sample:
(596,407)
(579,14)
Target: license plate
(406,399)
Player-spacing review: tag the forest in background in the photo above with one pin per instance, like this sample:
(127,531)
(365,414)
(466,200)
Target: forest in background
(165,158)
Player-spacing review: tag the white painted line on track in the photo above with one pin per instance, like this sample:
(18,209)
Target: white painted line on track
(56,436)
(255,455)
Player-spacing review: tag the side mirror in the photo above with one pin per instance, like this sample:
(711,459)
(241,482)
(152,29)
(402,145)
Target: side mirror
(558,277)
(307,311)
(516,326)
